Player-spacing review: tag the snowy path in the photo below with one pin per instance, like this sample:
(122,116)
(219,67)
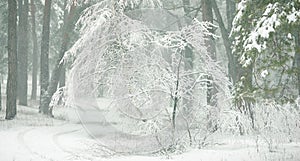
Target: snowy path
(42,143)
(32,137)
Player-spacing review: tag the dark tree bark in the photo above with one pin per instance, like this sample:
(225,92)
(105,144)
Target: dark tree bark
(44,67)
(55,77)
(230,12)
(207,15)
(233,65)
(19,29)
(62,80)
(0,94)
(186,6)
(34,51)
(297,58)
(23,54)
(11,90)
(20,7)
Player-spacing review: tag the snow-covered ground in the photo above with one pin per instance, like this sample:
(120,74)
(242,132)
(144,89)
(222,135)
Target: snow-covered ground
(34,137)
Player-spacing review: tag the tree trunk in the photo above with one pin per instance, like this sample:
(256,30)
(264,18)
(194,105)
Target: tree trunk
(23,54)
(235,70)
(207,15)
(34,52)
(297,58)
(188,62)
(0,94)
(230,13)
(11,90)
(232,60)
(62,80)
(186,6)
(19,32)
(233,64)
(176,97)
(55,77)
(44,67)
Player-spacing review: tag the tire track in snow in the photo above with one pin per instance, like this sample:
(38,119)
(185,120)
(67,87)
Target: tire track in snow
(72,155)
(21,140)
(56,137)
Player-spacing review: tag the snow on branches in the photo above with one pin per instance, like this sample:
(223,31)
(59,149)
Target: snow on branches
(252,30)
(156,78)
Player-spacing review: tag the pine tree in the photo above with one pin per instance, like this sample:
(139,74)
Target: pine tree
(207,15)
(44,74)
(3,36)
(11,91)
(23,53)
(264,37)
(34,50)
(0,94)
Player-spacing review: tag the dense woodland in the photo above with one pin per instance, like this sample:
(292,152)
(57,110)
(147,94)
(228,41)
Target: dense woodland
(178,70)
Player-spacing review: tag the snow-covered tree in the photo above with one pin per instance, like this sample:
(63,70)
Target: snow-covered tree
(144,71)
(265,40)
